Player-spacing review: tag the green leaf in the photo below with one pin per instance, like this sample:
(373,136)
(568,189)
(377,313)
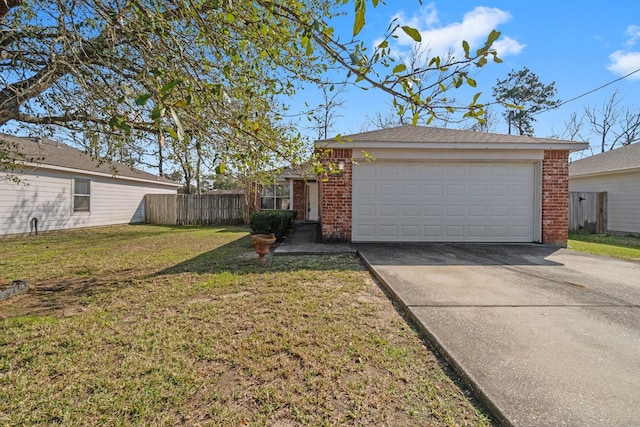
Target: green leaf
(142,99)
(471,82)
(172,132)
(384,44)
(413,33)
(221,168)
(358,24)
(399,68)
(157,113)
(465,46)
(170,85)
(493,36)
(414,119)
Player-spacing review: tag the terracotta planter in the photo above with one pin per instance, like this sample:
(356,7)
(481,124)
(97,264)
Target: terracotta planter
(262,243)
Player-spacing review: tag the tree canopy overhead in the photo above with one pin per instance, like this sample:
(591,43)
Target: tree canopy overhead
(196,79)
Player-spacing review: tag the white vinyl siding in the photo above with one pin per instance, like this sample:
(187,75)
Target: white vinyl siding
(48,195)
(623,198)
(444,201)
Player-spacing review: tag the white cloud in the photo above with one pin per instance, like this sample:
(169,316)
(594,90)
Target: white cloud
(508,46)
(634,34)
(624,62)
(474,28)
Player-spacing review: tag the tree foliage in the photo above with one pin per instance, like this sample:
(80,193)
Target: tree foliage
(524,95)
(195,83)
(609,125)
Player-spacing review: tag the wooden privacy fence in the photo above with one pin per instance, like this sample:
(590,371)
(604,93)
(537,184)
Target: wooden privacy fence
(588,212)
(193,209)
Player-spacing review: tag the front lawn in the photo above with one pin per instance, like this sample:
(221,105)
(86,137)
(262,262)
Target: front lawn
(149,325)
(622,247)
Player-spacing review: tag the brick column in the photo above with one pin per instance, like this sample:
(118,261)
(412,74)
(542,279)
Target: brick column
(555,197)
(300,199)
(335,198)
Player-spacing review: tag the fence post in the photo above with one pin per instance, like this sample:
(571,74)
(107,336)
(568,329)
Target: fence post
(601,213)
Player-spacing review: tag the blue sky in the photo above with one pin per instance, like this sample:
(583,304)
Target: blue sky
(579,45)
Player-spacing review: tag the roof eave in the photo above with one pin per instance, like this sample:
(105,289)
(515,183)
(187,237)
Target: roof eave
(100,174)
(570,146)
(605,172)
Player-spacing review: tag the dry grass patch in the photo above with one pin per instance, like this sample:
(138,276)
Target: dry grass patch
(191,330)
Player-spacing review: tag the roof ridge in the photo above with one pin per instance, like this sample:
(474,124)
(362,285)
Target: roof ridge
(46,152)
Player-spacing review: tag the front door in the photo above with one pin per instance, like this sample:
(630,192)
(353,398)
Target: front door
(312,201)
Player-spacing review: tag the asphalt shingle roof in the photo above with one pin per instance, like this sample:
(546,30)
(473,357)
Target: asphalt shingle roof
(627,157)
(408,133)
(53,153)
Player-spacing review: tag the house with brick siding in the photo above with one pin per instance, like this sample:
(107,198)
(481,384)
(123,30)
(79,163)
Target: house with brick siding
(425,184)
(616,172)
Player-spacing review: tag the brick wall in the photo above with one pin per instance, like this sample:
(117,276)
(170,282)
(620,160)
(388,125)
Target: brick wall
(335,198)
(300,199)
(555,197)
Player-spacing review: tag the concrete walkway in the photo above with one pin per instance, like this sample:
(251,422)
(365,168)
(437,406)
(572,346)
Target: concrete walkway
(305,239)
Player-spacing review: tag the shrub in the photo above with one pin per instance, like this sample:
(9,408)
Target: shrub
(277,222)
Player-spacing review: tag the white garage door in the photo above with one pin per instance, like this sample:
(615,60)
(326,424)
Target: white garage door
(443,202)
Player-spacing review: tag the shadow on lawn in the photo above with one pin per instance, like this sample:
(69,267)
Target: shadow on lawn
(240,257)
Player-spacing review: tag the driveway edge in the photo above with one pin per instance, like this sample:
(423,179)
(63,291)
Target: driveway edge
(494,411)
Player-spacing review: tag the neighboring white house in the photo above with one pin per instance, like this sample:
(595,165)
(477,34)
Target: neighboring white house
(61,187)
(618,173)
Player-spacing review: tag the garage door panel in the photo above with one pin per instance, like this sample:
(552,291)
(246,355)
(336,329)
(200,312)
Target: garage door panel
(432,189)
(480,211)
(477,190)
(476,202)
(409,211)
(388,190)
(454,231)
(455,190)
(389,210)
(365,211)
(499,190)
(410,190)
(365,231)
(388,230)
(410,231)
(432,231)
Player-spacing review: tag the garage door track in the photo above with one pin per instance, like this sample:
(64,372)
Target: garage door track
(545,336)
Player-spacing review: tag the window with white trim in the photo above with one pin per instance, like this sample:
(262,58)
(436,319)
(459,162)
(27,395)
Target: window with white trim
(81,195)
(275,197)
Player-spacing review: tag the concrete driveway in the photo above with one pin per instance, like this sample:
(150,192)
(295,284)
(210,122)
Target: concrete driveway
(545,336)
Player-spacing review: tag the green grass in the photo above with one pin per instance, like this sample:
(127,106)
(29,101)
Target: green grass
(622,247)
(146,325)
